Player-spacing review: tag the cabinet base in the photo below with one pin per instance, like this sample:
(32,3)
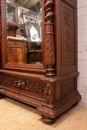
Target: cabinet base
(52,111)
(49,112)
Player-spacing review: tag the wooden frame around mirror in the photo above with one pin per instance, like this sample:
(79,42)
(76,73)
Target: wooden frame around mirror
(48,41)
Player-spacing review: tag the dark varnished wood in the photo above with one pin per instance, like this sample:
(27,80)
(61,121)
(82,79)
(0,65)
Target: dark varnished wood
(51,86)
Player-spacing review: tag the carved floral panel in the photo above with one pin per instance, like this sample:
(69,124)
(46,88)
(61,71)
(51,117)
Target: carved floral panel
(67,21)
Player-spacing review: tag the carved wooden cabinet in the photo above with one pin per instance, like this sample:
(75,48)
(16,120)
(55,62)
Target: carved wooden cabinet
(50,86)
(16,50)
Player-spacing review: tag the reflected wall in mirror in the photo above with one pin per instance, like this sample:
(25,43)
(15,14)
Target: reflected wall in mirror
(24,31)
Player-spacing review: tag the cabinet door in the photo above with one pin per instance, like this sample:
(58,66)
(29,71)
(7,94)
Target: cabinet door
(17,51)
(29,19)
(36,25)
(25,22)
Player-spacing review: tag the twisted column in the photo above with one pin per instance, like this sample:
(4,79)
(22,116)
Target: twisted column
(49,38)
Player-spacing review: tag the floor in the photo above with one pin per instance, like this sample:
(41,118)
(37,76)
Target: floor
(18,116)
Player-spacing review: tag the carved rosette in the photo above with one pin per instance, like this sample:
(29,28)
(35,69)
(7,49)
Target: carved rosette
(49,38)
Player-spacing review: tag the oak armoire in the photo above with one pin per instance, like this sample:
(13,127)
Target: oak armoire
(39,68)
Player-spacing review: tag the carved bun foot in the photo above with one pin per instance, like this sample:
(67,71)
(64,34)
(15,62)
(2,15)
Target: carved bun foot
(48,120)
(1,96)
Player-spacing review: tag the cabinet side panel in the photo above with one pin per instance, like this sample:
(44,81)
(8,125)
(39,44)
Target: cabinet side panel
(66,39)
(71,2)
(67,22)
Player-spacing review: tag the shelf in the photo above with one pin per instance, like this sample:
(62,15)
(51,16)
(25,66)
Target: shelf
(35,51)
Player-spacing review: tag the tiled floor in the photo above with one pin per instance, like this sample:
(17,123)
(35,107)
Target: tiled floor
(18,116)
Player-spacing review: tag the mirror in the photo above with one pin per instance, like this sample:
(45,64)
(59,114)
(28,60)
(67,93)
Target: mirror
(24,31)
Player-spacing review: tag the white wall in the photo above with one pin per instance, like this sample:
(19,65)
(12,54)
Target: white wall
(82,50)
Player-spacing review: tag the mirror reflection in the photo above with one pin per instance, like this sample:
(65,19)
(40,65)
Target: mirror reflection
(24,31)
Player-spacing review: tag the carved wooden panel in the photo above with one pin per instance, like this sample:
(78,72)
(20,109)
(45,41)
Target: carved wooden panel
(72,2)
(17,50)
(29,85)
(67,21)
(67,86)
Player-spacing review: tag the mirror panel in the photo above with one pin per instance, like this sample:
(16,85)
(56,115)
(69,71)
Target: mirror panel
(24,31)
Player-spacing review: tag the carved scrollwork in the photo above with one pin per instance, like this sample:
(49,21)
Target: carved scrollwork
(49,38)
(33,86)
(67,17)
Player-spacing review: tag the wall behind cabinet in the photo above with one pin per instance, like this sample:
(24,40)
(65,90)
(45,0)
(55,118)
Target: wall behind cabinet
(82,50)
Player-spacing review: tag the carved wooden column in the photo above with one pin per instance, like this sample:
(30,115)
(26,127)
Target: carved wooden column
(49,38)
(49,95)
